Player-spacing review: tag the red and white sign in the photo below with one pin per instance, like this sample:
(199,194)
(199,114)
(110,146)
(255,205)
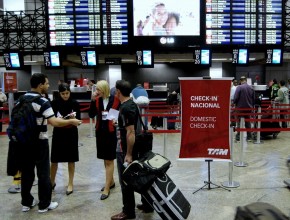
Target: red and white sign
(10,82)
(205,118)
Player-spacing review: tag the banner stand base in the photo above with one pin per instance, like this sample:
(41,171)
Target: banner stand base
(232,184)
(241,164)
(208,182)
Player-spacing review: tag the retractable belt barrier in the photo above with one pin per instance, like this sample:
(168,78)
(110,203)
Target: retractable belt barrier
(267,112)
(169,113)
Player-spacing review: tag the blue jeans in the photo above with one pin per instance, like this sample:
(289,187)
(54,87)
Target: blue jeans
(36,156)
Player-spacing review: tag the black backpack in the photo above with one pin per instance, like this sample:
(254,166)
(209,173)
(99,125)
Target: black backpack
(23,126)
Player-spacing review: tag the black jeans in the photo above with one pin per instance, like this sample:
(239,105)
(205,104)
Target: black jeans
(36,156)
(128,192)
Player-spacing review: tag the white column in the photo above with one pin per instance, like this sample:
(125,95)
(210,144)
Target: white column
(115,73)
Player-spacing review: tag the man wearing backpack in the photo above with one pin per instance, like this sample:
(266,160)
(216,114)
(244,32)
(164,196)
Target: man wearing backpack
(36,153)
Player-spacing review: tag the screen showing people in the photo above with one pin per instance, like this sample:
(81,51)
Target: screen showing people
(169,17)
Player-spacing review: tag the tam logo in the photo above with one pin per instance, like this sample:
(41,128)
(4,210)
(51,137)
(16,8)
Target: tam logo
(213,151)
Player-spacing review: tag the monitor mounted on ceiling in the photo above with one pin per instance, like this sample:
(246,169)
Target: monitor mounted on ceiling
(240,56)
(89,58)
(202,57)
(145,58)
(167,24)
(52,59)
(13,60)
(274,57)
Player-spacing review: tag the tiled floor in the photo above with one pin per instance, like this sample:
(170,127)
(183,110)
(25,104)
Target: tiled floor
(262,180)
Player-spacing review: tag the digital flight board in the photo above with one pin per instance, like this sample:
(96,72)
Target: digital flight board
(109,22)
(244,22)
(87,22)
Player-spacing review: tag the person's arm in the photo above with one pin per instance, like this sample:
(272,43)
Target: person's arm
(77,109)
(93,109)
(236,95)
(60,122)
(5,97)
(130,137)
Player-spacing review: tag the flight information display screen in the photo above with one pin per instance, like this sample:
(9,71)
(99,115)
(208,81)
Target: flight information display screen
(87,22)
(244,22)
(105,23)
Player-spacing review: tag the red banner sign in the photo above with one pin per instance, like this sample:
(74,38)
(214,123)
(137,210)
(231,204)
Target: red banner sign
(205,118)
(10,82)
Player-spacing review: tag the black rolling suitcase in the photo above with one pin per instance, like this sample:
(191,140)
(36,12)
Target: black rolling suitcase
(274,124)
(167,200)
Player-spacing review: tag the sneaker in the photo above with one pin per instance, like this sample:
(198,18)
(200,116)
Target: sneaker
(27,208)
(53,205)
(14,189)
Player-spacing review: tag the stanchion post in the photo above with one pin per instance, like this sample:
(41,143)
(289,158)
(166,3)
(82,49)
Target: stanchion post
(231,183)
(258,141)
(164,135)
(91,135)
(243,138)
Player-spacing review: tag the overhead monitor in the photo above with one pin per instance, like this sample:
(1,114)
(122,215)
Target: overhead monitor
(13,60)
(240,56)
(274,57)
(145,58)
(202,56)
(251,22)
(52,59)
(167,24)
(89,58)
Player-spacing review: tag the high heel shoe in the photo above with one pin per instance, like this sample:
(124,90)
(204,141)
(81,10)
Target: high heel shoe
(69,192)
(104,196)
(111,187)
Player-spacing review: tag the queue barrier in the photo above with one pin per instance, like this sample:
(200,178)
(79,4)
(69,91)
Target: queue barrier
(254,116)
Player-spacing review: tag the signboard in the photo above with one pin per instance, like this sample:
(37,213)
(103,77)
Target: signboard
(205,118)
(10,82)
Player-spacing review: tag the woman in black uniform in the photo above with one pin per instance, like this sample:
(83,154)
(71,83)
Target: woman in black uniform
(64,147)
(106,138)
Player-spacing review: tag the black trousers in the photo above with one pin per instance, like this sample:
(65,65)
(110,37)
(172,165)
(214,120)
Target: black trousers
(127,192)
(36,156)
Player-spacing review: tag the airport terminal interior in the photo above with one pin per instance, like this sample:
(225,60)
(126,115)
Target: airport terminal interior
(262,180)
(77,42)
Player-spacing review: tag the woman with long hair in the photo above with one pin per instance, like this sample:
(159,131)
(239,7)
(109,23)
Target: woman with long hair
(64,147)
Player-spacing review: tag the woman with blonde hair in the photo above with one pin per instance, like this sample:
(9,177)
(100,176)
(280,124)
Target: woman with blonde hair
(106,139)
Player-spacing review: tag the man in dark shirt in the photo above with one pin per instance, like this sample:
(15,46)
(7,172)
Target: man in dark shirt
(244,98)
(128,125)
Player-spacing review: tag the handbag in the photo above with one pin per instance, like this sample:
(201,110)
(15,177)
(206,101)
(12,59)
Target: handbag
(143,141)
